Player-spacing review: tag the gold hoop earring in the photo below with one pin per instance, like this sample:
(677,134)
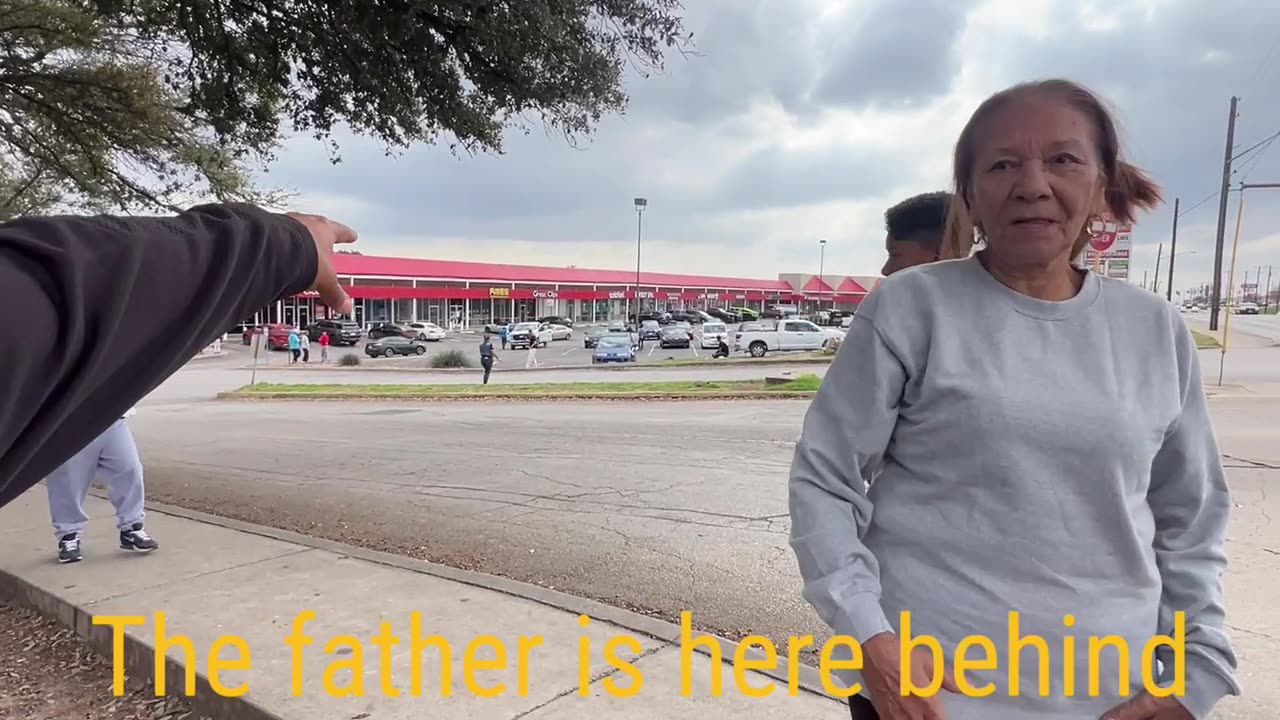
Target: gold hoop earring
(1095,225)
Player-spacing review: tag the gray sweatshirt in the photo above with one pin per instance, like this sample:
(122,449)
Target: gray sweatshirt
(1048,458)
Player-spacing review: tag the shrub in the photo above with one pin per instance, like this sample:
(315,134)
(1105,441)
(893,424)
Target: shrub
(349,360)
(450,359)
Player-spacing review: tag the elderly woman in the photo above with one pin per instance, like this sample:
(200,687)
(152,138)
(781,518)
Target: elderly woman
(1038,451)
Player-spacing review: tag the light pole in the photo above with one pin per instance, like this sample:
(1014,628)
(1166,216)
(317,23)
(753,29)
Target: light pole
(641,204)
(822,257)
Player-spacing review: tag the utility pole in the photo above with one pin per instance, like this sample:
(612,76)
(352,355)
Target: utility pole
(640,204)
(1266,297)
(1155,286)
(822,257)
(1222,217)
(1257,284)
(1173,250)
(1144,279)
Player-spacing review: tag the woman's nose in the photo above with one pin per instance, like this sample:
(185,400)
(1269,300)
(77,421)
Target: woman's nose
(1032,182)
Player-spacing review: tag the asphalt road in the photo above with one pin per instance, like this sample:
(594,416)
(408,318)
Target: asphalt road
(1246,330)
(658,507)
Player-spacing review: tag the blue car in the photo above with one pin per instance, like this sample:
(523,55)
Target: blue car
(614,348)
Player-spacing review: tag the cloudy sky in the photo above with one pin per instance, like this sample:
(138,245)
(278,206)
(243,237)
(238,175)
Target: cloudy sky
(801,120)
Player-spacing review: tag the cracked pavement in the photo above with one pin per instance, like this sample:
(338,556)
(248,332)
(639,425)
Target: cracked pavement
(655,507)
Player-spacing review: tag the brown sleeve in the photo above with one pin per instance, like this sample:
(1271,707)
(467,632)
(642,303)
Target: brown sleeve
(103,309)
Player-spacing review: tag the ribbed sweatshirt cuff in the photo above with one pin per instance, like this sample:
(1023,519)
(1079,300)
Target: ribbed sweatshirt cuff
(1205,686)
(863,618)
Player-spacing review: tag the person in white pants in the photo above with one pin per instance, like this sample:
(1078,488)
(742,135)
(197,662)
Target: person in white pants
(115,455)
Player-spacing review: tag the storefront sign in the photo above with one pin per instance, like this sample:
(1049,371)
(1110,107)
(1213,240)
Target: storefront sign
(426,292)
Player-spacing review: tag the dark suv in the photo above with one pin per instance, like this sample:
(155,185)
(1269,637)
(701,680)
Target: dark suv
(389,329)
(341,332)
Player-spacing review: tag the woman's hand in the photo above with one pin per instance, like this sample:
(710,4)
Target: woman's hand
(882,670)
(1146,706)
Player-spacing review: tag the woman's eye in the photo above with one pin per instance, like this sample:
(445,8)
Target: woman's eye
(1001,165)
(1066,159)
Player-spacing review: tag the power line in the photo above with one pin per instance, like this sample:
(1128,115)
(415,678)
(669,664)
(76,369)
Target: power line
(1237,170)
(1207,198)
(1264,141)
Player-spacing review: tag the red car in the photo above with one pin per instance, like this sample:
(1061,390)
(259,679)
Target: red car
(277,335)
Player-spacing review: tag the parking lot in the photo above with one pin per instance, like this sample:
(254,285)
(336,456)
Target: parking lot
(559,353)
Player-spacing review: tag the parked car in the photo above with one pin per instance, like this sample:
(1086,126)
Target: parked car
(592,335)
(1247,308)
(650,330)
(689,316)
(674,336)
(724,315)
(388,329)
(791,335)
(495,327)
(617,326)
(614,348)
(831,317)
(712,332)
(277,335)
(393,345)
(556,320)
(558,332)
(745,313)
(341,332)
(778,312)
(427,331)
(529,334)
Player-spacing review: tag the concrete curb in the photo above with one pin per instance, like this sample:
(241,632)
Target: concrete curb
(140,656)
(530,397)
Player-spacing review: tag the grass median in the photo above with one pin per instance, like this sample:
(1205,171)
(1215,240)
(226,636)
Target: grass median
(802,385)
(1205,341)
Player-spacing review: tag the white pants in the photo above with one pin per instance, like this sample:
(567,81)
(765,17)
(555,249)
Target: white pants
(115,456)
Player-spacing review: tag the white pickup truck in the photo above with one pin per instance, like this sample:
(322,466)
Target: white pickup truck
(790,336)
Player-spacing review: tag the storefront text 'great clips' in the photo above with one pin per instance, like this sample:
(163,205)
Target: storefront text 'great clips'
(453,293)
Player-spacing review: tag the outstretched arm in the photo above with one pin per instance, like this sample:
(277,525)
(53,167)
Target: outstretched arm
(112,306)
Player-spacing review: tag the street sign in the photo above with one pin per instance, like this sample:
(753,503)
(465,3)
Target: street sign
(1111,241)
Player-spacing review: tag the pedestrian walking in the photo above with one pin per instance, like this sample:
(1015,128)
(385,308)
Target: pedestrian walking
(531,360)
(487,356)
(1067,487)
(115,456)
(304,341)
(295,345)
(502,335)
(324,347)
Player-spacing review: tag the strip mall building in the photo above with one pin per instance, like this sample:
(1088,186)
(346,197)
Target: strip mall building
(452,293)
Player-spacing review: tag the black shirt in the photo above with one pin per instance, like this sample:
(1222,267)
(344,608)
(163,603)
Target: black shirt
(486,350)
(113,306)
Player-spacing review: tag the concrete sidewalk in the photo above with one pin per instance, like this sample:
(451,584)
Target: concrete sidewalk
(213,578)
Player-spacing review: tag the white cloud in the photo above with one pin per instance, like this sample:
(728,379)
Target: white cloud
(804,120)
